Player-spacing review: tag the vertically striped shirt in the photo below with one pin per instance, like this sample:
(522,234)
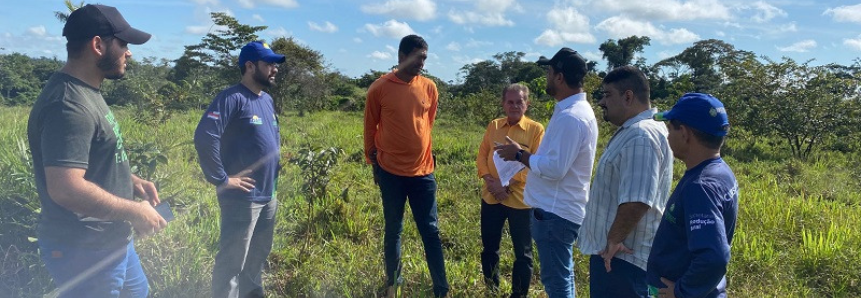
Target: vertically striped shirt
(636,166)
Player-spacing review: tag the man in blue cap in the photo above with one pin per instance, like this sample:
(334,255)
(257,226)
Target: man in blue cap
(692,245)
(85,185)
(238,145)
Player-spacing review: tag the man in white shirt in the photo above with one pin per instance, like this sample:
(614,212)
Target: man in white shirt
(630,189)
(558,181)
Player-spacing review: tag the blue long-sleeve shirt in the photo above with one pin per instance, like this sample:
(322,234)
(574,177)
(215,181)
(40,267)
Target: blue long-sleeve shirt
(239,133)
(692,244)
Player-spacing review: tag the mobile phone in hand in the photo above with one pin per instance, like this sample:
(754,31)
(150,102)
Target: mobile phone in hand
(163,209)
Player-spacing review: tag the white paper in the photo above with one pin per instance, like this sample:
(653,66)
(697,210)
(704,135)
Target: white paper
(506,169)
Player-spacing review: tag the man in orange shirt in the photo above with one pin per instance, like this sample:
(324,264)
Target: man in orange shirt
(501,203)
(399,115)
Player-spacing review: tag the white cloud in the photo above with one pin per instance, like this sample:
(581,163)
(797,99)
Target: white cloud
(667,10)
(591,56)
(206,2)
(853,43)
(845,13)
(801,46)
(485,12)
(203,29)
(258,18)
(391,49)
(732,25)
(666,54)
(390,28)
(765,12)
(357,40)
(377,55)
(472,43)
(453,46)
(720,33)
(463,60)
(789,27)
(621,27)
(279,32)
(566,25)
(281,3)
(37,31)
(420,10)
(327,27)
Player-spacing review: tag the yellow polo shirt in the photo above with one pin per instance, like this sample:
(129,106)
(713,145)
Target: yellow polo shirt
(526,132)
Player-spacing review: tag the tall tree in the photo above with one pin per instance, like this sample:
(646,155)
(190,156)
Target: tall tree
(302,82)
(62,15)
(622,53)
(216,51)
(703,61)
(800,103)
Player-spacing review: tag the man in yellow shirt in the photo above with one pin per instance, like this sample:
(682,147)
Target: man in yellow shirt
(506,202)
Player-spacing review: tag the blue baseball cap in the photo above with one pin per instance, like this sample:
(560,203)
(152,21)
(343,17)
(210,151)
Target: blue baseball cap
(700,111)
(257,50)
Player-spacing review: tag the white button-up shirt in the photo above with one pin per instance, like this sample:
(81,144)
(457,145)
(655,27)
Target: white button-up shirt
(558,180)
(636,166)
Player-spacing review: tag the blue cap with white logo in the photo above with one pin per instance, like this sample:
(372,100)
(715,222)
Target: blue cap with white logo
(255,51)
(700,111)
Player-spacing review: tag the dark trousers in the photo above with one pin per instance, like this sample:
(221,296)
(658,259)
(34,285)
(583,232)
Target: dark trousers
(492,220)
(625,280)
(421,193)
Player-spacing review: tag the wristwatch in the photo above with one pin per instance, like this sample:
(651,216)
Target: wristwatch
(518,155)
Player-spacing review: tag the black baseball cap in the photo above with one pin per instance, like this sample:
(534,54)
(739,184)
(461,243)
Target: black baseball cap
(101,20)
(566,61)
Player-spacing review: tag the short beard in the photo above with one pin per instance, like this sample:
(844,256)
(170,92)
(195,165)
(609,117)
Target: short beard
(110,65)
(262,79)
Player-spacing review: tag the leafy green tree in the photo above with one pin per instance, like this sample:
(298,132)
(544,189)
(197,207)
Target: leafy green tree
(302,82)
(800,103)
(621,53)
(703,61)
(368,78)
(212,61)
(493,75)
(63,16)
(18,84)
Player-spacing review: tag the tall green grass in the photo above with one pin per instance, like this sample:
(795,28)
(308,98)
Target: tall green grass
(798,234)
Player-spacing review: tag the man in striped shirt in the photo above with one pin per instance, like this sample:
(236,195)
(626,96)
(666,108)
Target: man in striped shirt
(630,189)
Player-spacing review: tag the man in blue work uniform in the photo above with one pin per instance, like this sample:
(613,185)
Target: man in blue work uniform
(238,145)
(692,246)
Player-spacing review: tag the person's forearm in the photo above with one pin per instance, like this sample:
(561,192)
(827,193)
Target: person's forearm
(627,217)
(87,198)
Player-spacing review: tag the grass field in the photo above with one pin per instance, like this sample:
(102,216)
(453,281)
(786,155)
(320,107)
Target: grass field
(798,235)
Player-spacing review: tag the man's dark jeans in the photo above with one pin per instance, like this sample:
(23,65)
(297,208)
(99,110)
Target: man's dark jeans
(492,220)
(421,192)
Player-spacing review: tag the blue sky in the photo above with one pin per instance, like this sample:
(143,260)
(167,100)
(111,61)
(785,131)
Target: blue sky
(359,35)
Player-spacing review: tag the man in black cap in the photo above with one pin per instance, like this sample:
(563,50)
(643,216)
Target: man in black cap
(558,181)
(238,145)
(82,171)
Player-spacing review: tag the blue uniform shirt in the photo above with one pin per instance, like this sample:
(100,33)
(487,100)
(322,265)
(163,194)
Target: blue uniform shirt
(692,244)
(239,132)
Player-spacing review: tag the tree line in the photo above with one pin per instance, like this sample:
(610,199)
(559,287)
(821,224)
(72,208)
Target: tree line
(804,105)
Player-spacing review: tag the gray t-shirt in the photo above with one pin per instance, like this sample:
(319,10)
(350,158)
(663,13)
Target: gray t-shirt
(71,126)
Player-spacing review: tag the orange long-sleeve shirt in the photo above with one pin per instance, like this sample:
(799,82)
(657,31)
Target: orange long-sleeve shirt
(399,117)
(528,134)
